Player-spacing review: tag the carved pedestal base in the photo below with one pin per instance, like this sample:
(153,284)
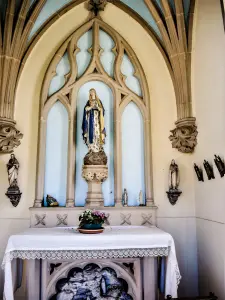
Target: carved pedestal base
(14,194)
(95,175)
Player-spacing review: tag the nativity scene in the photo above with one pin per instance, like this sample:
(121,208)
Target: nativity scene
(108,184)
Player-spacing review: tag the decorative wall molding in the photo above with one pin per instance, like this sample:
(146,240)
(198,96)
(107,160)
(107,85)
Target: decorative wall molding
(177,45)
(135,215)
(125,219)
(13,42)
(62,220)
(146,219)
(40,219)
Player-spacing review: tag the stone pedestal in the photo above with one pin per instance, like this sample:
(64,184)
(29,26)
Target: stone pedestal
(95,175)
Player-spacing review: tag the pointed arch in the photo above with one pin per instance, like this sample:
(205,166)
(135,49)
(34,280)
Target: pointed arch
(67,94)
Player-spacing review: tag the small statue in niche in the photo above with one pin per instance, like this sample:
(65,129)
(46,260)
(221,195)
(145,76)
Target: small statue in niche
(174,181)
(94,132)
(174,176)
(51,201)
(13,192)
(199,173)
(209,170)
(141,199)
(220,165)
(125,198)
(13,170)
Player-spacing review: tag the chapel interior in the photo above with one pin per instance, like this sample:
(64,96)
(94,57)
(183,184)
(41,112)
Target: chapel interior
(152,150)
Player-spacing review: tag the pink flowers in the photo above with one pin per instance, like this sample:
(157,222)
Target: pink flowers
(92,217)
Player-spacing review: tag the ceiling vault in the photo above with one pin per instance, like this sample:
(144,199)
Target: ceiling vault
(175,46)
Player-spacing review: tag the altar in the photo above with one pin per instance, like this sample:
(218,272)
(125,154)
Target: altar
(117,264)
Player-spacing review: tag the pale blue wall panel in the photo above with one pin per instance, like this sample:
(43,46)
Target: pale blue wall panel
(56,153)
(133,153)
(131,81)
(58,80)
(107,57)
(83,57)
(50,7)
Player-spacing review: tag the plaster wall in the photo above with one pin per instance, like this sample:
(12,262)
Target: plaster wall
(208,73)
(178,220)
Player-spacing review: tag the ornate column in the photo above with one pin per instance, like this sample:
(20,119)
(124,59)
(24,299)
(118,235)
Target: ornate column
(177,45)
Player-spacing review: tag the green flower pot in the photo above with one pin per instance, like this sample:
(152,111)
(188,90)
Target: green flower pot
(92,226)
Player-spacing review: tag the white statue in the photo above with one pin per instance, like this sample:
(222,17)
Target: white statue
(141,200)
(125,197)
(93,126)
(13,169)
(174,176)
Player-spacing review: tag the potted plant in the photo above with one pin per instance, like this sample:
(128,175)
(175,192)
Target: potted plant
(92,219)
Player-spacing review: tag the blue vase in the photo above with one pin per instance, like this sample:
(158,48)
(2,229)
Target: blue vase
(92,226)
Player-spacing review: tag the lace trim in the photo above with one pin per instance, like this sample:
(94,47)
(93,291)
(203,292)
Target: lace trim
(84,254)
(89,254)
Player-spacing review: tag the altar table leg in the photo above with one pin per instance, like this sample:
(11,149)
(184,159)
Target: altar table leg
(33,279)
(150,278)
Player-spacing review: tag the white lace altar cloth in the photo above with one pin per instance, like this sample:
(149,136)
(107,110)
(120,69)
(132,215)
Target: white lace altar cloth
(114,242)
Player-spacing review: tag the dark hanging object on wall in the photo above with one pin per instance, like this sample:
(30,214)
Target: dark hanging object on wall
(199,173)
(174,181)
(209,170)
(13,192)
(220,165)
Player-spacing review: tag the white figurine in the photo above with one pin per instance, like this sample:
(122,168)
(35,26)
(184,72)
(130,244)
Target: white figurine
(141,200)
(125,197)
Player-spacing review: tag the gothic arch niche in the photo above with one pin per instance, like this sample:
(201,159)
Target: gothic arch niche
(56,161)
(127,81)
(106,96)
(111,279)
(133,165)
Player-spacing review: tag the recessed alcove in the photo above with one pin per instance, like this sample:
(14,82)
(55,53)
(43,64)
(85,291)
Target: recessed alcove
(56,153)
(96,57)
(133,165)
(106,96)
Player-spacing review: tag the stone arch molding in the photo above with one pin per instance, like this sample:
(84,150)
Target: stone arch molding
(67,95)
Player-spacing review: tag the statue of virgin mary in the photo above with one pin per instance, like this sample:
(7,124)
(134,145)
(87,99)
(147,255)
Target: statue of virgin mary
(93,127)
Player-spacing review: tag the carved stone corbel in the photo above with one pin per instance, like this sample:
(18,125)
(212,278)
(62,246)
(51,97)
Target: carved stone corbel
(184,136)
(9,136)
(96,5)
